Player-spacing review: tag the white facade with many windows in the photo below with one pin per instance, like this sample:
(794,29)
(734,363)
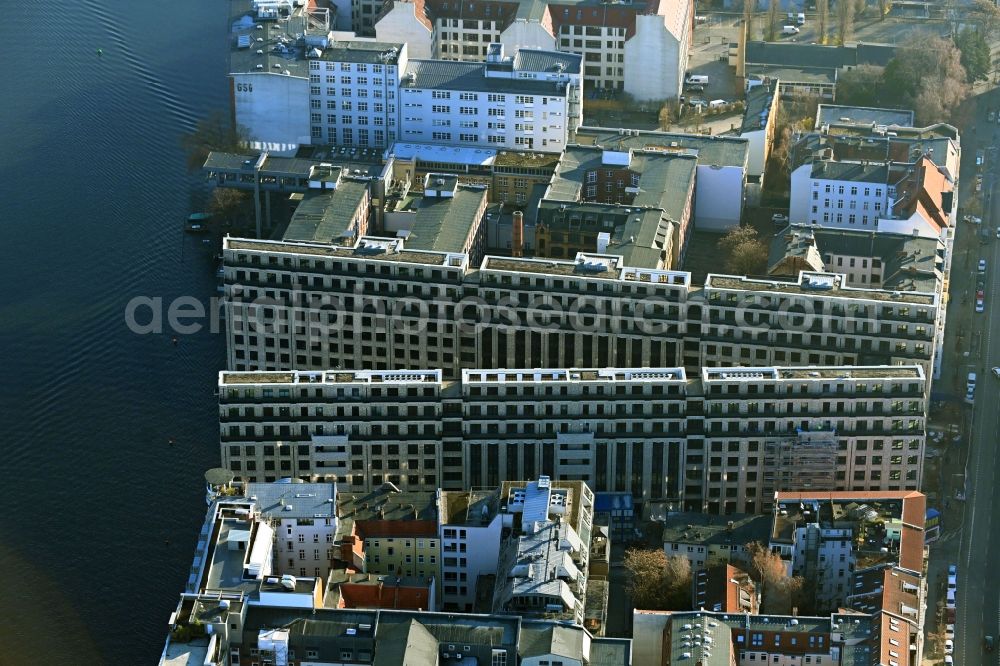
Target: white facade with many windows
(528,102)
(854,201)
(352,93)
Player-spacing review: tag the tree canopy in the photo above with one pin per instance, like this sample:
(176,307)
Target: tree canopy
(658,582)
(744,252)
(975,54)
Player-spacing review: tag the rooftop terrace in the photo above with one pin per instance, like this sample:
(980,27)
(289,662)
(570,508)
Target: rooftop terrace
(829,285)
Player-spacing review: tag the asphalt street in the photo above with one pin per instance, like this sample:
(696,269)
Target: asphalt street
(978,596)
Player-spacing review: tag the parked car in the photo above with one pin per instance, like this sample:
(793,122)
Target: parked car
(996,372)
(949,631)
(990,115)
(779,218)
(949,646)
(970,396)
(717,104)
(998,232)
(695,88)
(953,568)
(979,157)
(982,265)
(800,19)
(697,103)
(790,30)
(980,293)
(988,643)
(972,219)
(700,19)
(980,305)
(696,78)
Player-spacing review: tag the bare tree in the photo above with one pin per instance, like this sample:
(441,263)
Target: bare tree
(772,20)
(926,75)
(845,21)
(658,582)
(779,592)
(822,20)
(215,132)
(745,253)
(987,14)
(229,204)
(749,9)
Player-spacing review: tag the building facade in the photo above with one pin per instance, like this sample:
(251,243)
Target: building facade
(722,444)
(531,101)
(619,43)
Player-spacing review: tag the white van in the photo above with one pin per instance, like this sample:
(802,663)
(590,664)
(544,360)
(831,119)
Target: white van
(800,19)
(717,104)
(789,30)
(698,79)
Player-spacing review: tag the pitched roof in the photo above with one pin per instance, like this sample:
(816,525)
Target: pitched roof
(326,216)
(405,644)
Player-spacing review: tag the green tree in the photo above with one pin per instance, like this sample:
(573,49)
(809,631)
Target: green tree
(859,86)
(658,582)
(214,132)
(744,253)
(975,54)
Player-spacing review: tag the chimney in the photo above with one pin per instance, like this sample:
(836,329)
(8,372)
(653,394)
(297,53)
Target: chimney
(517,235)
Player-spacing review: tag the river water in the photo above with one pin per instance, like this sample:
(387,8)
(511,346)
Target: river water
(98,511)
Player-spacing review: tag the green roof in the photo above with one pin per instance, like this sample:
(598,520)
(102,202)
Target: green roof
(326,216)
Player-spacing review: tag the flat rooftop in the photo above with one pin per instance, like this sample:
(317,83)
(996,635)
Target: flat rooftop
(429,152)
(469,508)
(708,529)
(321,250)
(710,150)
(575,375)
(828,114)
(829,285)
(314,377)
(373,53)
(456,75)
(812,373)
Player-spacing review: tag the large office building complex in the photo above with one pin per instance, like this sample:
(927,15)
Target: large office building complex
(724,442)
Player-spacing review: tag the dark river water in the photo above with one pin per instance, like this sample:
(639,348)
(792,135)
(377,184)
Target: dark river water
(98,511)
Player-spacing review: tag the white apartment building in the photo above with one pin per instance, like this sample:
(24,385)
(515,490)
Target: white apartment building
(852,195)
(543,567)
(619,43)
(304,519)
(531,101)
(352,92)
(471,533)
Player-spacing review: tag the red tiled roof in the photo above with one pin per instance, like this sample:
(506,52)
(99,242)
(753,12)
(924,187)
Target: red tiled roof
(367,595)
